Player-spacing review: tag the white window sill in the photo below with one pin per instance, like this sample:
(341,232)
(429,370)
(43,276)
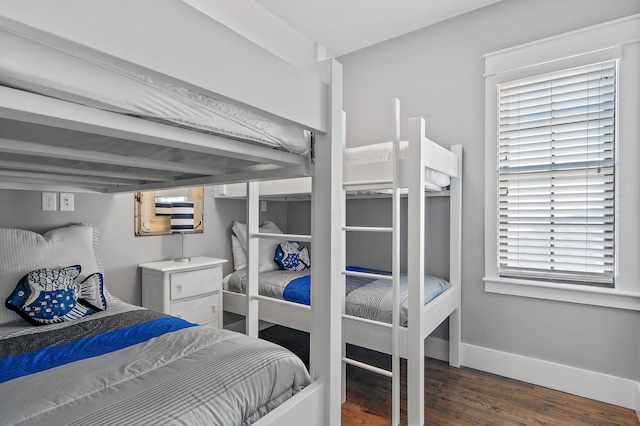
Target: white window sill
(571,293)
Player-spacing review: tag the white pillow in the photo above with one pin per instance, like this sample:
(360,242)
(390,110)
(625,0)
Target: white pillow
(24,251)
(239,256)
(267,248)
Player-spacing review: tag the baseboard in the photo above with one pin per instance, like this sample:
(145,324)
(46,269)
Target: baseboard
(585,383)
(436,348)
(638,400)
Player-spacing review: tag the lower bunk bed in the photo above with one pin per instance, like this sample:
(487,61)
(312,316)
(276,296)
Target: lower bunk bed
(130,365)
(368,302)
(72,353)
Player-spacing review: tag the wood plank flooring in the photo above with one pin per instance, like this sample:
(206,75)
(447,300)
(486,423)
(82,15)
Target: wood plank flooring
(457,396)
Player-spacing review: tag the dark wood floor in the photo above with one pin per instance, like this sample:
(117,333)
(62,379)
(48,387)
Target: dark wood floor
(457,396)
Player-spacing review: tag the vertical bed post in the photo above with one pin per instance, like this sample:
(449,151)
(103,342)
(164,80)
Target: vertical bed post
(455,258)
(395,268)
(415,271)
(327,289)
(253,217)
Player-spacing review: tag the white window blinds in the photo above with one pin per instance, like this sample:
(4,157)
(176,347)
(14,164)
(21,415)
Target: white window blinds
(556,160)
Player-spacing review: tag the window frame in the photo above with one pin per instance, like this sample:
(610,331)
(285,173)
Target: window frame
(616,40)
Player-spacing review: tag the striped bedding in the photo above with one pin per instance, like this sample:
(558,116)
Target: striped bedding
(365,297)
(128,365)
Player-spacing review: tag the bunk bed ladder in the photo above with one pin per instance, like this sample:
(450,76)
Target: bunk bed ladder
(394,374)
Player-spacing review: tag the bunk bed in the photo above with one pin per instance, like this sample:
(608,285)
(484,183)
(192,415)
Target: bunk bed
(119,97)
(423,167)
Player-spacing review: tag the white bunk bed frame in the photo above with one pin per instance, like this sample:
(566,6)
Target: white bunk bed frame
(139,35)
(405,342)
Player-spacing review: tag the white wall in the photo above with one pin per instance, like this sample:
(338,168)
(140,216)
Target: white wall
(437,73)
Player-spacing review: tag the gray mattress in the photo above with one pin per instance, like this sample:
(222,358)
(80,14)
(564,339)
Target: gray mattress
(183,375)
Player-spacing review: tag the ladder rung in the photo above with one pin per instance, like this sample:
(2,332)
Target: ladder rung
(288,237)
(368,275)
(367,367)
(367,229)
(368,321)
(279,301)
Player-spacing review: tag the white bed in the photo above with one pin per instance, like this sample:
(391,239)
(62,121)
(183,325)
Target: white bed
(427,167)
(63,124)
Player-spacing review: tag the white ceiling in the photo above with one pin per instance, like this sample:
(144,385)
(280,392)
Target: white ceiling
(344,26)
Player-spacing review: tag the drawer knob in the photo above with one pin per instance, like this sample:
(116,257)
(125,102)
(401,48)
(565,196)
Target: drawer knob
(180,286)
(213,308)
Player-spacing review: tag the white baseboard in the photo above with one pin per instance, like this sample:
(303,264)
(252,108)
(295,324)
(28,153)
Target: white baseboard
(585,383)
(638,400)
(436,348)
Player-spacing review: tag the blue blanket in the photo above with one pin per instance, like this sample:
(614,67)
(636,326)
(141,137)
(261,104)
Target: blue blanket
(88,346)
(299,289)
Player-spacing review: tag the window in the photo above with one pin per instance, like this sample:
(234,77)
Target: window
(562,150)
(556,176)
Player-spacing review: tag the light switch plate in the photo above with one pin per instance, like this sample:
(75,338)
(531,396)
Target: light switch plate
(67,201)
(49,201)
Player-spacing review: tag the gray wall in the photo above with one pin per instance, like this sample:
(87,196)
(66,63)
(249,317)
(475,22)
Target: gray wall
(437,73)
(120,251)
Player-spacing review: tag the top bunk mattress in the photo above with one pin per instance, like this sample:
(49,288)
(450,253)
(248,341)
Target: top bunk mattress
(380,152)
(77,77)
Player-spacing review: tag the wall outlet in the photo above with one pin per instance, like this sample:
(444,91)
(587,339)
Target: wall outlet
(66,201)
(263,206)
(49,201)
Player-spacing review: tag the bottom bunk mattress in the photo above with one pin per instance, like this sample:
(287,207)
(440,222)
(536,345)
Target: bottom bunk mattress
(365,297)
(129,365)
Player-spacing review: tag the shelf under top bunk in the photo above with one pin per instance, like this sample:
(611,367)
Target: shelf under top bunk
(125,111)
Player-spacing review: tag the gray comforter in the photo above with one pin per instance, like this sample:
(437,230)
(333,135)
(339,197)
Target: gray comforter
(186,375)
(364,297)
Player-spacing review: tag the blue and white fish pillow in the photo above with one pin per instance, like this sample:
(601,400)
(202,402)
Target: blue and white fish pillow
(47,296)
(289,256)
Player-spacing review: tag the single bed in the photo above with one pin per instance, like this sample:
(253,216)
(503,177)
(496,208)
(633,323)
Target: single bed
(129,365)
(119,363)
(123,97)
(365,297)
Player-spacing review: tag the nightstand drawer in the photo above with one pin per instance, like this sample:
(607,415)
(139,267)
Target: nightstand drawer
(199,311)
(194,283)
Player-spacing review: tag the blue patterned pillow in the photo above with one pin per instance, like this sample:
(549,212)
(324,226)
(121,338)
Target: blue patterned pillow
(47,296)
(290,257)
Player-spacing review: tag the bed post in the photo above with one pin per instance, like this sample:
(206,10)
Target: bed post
(327,289)
(455,258)
(253,217)
(415,271)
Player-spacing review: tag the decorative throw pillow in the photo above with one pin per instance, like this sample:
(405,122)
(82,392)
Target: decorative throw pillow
(47,296)
(92,292)
(22,251)
(266,247)
(288,256)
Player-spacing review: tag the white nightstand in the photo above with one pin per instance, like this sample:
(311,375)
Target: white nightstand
(189,290)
